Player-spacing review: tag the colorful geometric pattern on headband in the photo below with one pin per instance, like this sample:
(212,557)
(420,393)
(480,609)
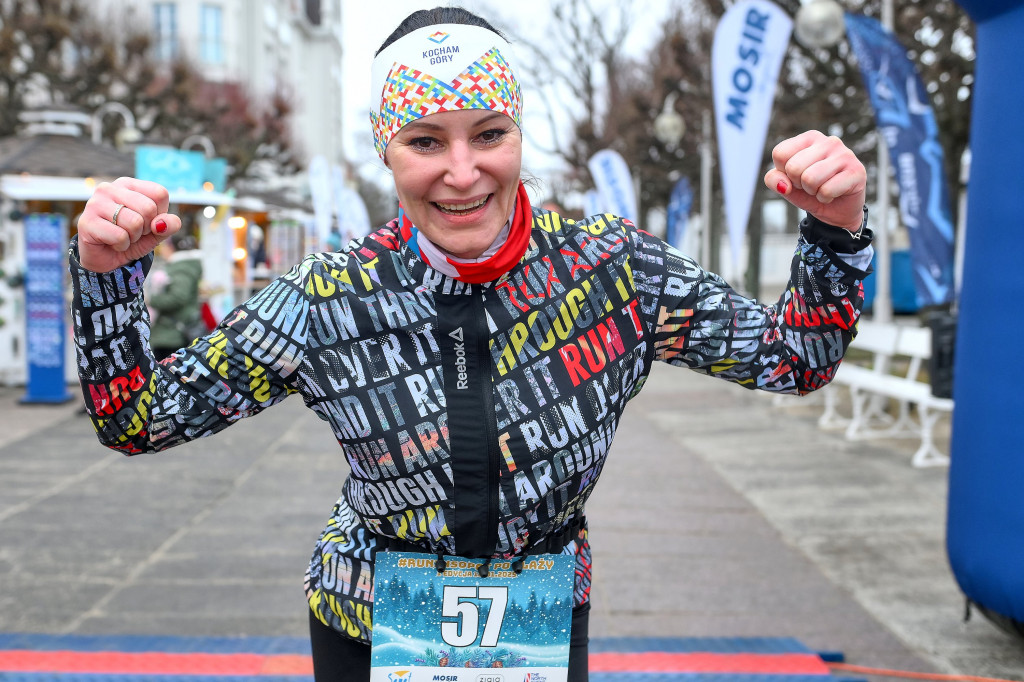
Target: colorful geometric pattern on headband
(409,94)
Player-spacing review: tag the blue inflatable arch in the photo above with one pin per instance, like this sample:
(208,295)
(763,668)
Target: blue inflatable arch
(985,525)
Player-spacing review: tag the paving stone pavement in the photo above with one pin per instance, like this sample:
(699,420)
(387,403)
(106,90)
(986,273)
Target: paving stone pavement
(718,514)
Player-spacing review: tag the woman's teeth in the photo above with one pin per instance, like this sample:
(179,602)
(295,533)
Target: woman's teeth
(461,209)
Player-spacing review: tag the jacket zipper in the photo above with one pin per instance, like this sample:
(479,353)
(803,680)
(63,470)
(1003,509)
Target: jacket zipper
(466,365)
(493,451)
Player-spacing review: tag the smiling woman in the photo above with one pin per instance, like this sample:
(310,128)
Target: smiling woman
(472,358)
(457,176)
(448,128)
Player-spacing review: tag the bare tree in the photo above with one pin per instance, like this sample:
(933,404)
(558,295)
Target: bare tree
(615,101)
(251,134)
(599,95)
(824,86)
(59,52)
(580,60)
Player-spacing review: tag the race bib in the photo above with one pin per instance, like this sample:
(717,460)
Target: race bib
(457,626)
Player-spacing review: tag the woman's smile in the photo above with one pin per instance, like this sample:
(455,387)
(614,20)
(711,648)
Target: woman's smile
(462,208)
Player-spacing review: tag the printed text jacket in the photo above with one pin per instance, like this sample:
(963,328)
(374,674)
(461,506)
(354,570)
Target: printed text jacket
(475,418)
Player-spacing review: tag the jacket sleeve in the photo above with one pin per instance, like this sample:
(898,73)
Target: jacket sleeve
(794,346)
(138,405)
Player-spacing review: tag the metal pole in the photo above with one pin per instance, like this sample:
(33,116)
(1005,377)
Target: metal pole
(883,253)
(203,141)
(705,188)
(961,230)
(97,118)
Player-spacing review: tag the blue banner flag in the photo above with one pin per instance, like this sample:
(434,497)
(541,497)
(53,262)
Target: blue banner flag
(46,239)
(614,184)
(679,203)
(747,52)
(904,116)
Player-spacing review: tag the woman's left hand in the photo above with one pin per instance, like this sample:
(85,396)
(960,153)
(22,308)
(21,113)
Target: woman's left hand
(820,175)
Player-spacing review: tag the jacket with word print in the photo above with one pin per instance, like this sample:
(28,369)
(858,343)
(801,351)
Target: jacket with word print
(475,419)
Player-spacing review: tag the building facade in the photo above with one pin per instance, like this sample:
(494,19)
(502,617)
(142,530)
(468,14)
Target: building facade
(263,44)
(49,169)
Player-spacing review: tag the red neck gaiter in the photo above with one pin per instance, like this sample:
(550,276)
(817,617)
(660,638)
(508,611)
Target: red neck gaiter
(506,257)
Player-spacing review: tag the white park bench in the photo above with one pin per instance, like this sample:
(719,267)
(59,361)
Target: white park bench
(872,385)
(880,341)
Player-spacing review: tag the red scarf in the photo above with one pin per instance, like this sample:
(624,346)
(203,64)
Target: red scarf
(510,253)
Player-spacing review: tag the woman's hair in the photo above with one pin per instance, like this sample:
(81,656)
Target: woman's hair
(439,15)
(183,241)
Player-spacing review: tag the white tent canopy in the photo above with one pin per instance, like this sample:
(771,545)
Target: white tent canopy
(26,187)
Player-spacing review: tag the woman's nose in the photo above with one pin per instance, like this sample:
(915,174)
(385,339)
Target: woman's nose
(462,170)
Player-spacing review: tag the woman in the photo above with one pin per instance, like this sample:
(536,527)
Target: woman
(173,295)
(474,355)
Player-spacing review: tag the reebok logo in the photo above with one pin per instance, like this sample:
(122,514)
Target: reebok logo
(462,382)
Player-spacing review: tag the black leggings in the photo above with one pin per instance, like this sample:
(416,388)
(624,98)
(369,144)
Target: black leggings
(336,658)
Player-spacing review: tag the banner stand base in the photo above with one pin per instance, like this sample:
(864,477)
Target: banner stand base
(47,399)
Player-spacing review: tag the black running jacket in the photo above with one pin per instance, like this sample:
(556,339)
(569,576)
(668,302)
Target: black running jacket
(475,419)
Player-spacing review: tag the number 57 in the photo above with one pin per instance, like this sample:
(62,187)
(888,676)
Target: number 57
(463,632)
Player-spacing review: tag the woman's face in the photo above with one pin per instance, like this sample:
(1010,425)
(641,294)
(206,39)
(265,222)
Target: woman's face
(457,173)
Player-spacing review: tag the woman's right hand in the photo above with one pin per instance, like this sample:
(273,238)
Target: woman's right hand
(142,223)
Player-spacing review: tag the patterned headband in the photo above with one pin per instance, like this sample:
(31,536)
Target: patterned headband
(445,67)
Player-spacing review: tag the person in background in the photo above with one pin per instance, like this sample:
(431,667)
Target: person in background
(333,241)
(258,250)
(473,356)
(173,298)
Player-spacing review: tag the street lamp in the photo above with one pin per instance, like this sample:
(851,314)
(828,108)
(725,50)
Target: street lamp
(129,134)
(669,128)
(820,24)
(203,141)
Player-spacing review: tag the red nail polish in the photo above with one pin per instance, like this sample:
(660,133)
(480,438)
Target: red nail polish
(781,187)
(159,226)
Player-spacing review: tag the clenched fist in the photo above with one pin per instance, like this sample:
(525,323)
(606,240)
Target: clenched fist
(122,222)
(820,175)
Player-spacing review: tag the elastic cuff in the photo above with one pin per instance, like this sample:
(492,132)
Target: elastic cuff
(838,239)
(124,272)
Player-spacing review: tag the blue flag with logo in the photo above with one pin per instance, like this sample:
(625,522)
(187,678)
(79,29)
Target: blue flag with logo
(679,203)
(904,116)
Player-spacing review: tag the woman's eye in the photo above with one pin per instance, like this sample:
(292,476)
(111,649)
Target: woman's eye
(423,143)
(489,136)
